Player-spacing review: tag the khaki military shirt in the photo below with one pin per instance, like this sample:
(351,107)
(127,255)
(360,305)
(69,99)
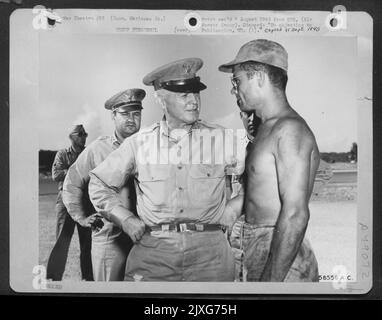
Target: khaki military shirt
(63,160)
(75,189)
(172,185)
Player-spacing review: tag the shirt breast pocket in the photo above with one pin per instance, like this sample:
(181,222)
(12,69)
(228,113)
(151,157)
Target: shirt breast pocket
(206,184)
(154,185)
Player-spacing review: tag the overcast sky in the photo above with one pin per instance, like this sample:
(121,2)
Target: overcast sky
(78,73)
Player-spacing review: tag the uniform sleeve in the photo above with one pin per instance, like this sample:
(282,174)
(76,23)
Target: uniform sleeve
(59,167)
(76,183)
(108,179)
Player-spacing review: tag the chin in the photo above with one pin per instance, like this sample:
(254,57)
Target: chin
(130,132)
(244,109)
(191,118)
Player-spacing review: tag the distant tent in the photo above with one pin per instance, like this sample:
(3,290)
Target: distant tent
(353,152)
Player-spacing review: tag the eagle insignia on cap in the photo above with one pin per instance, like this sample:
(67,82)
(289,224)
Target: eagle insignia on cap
(131,98)
(187,68)
(177,76)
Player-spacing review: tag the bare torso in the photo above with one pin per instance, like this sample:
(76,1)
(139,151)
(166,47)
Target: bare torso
(262,204)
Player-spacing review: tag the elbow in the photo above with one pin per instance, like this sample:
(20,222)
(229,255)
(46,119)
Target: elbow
(91,189)
(94,189)
(298,217)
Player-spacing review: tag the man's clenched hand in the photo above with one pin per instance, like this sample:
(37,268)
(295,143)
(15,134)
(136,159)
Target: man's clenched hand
(88,221)
(229,218)
(134,227)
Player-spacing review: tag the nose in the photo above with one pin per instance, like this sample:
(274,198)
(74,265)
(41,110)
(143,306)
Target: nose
(191,98)
(233,91)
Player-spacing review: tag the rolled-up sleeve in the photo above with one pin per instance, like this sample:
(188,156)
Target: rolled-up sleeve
(75,185)
(107,179)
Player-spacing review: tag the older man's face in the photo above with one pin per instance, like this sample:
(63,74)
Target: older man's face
(182,107)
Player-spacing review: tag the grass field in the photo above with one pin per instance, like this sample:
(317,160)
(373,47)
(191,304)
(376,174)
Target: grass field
(47,238)
(331,231)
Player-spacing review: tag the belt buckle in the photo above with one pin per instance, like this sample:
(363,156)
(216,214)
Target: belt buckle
(165,227)
(182,227)
(199,227)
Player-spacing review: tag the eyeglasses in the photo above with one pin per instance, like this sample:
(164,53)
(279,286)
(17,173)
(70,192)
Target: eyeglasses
(235,82)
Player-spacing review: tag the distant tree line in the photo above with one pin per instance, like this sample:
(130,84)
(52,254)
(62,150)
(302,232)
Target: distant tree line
(332,157)
(45,160)
(46,157)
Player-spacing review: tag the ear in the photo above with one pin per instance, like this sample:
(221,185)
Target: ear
(261,78)
(160,100)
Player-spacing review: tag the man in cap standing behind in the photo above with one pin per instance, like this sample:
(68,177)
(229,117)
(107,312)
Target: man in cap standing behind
(281,165)
(110,246)
(178,235)
(65,225)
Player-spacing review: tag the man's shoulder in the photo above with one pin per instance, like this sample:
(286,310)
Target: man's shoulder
(290,125)
(101,140)
(99,145)
(294,131)
(140,136)
(62,152)
(202,124)
(148,129)
(95,144)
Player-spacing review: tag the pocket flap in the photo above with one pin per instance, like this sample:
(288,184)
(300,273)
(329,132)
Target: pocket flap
(154,173)
(203,171)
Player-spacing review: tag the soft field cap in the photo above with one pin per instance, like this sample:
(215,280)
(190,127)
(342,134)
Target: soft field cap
(260,50)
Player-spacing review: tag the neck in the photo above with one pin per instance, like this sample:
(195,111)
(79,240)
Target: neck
(273,107)
(77,148)
(120,137)
(172,124)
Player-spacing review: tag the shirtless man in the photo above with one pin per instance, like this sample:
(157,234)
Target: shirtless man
(281,163)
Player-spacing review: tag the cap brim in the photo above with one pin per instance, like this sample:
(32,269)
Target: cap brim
(228,67)
(130,107)
(190,87)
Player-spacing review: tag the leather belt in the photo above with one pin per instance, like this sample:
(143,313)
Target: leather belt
(182,227)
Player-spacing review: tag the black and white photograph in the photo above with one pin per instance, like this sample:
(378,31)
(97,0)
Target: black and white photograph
(191,152)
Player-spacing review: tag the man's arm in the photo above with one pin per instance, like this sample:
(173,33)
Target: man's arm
(106,181)
(60,167)
(292,157)
(233,210)
(228,187)
(75,186)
